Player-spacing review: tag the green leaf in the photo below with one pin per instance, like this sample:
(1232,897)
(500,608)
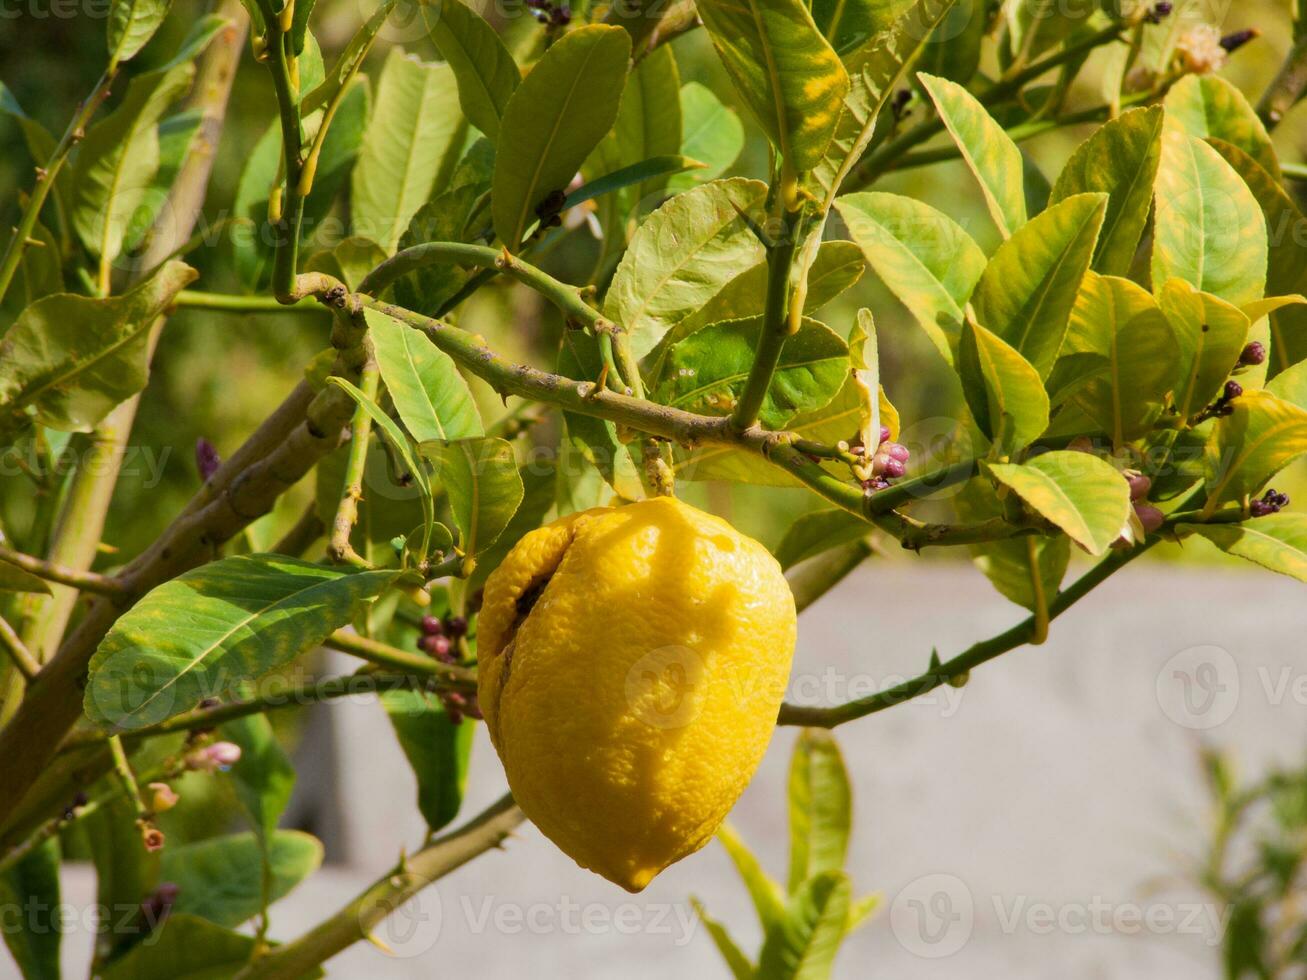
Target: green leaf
(1030,285)
(1084,496)
(213,627)
(538,481)
(1207,106)
(350,261)
(955,47)
(347,65)
(681,256)
(429,393)
(1250,446)
(486,72)
(412,143)
(263,777)
(768,899)
(186,948)
(1209,230)
(838,266)
(821,807)
(648,126)
(436,747)
(559,113)
(861,909)
(803,945)
(706,372)
(1120,160)
(119,158)
(1277,541)
(131,25)
(710,133)
(1021,569)
(176,134)
(14,579)
(817,532)
(1210,334)
(29,890)
(1291,385)
(850,24)
(1003,390)
(736,960)
(480,477)
(596,439)
(924,258)
(73,358)
(444,218)
(1121,321)
(785,71)
(987,150)
(124,871)
(221,879)
(1286,270)
(874,71)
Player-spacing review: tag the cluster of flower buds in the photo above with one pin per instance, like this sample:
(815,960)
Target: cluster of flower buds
(1149,516)
(440,635)
(559,15)
(888,462)
(458,706)
(1271,502)
(219,755)
(1159,12)
(1253,354)
(1223,406)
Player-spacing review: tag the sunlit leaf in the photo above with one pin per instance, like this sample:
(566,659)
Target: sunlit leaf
(131,25)
(1030,285)
(410,148)
(1004,391)
(785,71)
(1277,541)
(1209,229)
(1209,106)
(681,256)
(736,961)
(821,807)
(1248,447)
(1084,496)
(803,944)
(924,257)
(429,393)
(768,899)
(710,133)
(1210,334)
(987,149)
(1120,159)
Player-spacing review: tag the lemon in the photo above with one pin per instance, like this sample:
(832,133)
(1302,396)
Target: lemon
(631,665)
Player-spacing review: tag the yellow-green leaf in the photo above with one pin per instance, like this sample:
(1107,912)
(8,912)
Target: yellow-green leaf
(1210,334)
(1084,496)
(486,72)
(1207,106)
(1245,449)
(1003,389)
(1209,229)
(785,71)
(1277,541)
(987,150)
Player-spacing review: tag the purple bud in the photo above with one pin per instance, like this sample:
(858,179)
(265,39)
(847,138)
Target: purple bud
(1149,516)
(432,626)
(884,434)
(1233,389)
(894,468)
(207,459)
(897,451)
(456,625)
(1139,485)
(438,646)
(1233,42)
(1253,354)
(1261,508)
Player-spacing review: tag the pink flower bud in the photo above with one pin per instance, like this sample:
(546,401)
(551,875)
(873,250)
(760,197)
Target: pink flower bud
(163,797)
(219,755)
(1149,516)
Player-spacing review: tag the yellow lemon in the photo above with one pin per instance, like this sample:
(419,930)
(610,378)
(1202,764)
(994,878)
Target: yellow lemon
(632,662)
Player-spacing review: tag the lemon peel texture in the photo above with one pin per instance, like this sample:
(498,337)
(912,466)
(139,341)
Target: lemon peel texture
(631,664)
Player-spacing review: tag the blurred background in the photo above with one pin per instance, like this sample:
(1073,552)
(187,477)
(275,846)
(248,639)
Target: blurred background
(1118,803)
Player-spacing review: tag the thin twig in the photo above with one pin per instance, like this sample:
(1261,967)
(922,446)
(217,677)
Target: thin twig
(84,581)
(347,511)
(355,921)
(22,658)
(385,655)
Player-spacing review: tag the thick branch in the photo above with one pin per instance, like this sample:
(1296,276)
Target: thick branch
(1287,90)
(356,920)
(775,329)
